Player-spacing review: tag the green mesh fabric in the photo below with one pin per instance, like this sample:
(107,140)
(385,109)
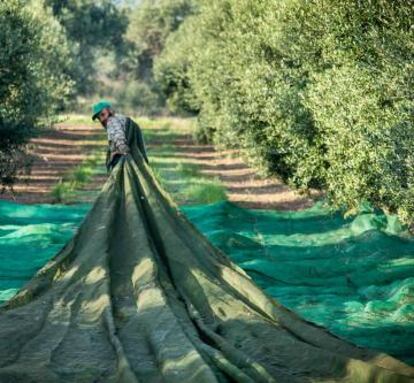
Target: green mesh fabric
(321,282)
(29,236)
(139,295)
(355,276)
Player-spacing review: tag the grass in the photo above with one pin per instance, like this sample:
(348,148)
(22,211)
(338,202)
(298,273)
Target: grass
(61,191)
(69,186)
(186,183)
(82,174)
(188,170)
(182,179)
(204,190)
(75,119)
(176,174)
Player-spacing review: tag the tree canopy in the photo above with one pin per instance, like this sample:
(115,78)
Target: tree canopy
(34,64)
(91,27)
(317,92)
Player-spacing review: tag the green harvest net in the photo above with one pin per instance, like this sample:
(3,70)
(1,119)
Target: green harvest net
(355,277)
(29,236)
(139,295)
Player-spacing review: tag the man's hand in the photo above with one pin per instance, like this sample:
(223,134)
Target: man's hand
(110,162)
(113,154)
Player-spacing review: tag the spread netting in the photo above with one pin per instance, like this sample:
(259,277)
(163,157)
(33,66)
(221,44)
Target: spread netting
(139,295)
(353,276)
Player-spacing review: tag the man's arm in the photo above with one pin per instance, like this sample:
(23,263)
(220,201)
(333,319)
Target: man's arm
(116,136)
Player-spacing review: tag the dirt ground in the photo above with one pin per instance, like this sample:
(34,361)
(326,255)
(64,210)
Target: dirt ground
(243,184)
(55,153)
(60,149)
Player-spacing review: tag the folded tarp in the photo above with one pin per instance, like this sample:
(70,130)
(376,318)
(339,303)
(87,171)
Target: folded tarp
(139,295)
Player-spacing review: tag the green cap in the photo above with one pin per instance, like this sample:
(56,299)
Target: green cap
(99,107)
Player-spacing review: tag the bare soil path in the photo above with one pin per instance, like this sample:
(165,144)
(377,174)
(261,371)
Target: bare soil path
(58,150)
(244,186)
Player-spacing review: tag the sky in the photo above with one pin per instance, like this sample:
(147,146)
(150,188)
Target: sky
(126,2)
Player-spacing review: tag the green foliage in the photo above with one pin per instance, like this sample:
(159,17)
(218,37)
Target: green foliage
(62,191)
(180,177)
(188,169)
(150,25)
(171,67)
(205,191)
(34,60)
(82,174)
(318,92)
(69,186)
(140,98)
(93,29)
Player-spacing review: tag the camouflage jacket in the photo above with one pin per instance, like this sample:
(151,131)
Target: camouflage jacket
(117,142)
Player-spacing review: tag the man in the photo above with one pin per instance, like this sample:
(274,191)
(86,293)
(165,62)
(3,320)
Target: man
(116,126)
